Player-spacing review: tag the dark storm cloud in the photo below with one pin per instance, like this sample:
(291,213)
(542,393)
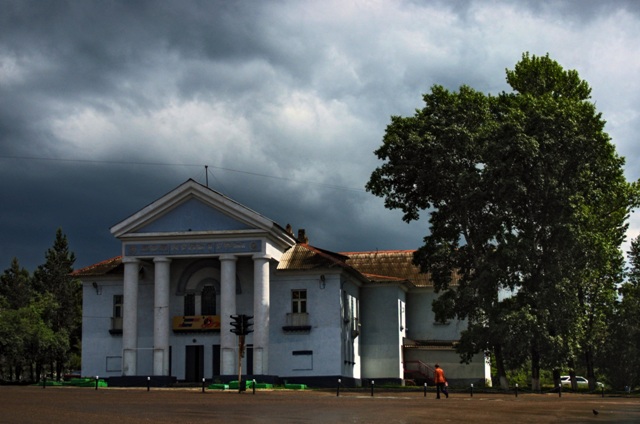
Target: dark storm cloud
(284,100)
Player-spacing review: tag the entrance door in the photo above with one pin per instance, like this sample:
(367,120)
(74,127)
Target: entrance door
(194,366)
(216,361)
(249,355)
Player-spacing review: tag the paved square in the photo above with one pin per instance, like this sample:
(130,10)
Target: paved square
(34,404)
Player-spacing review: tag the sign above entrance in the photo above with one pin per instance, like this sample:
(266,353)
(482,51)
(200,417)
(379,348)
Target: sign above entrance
(196,323)
(192,248)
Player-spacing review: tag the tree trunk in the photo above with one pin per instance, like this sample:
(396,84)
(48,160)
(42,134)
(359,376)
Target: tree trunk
(535,370)
(591,375)
(58,370)
(556,377)
(502,374)
(572,375)
(39,371)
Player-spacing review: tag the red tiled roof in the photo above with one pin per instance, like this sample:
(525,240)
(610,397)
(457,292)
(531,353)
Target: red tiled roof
(389,264)
(110,266)
(303,256)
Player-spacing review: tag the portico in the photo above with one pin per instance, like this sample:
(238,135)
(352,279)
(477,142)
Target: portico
(162,318)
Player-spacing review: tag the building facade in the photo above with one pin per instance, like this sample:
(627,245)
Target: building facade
(193,258)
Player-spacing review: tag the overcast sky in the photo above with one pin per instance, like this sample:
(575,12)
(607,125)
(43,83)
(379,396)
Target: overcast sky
(107,105)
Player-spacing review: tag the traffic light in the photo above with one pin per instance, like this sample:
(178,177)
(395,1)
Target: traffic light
(237,324)
(246,324)
(241,324)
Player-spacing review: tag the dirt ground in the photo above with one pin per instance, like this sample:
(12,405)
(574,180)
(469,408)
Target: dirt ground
(34,404)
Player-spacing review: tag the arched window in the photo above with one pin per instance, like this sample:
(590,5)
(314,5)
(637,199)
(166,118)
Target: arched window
(208,300)
(189,304)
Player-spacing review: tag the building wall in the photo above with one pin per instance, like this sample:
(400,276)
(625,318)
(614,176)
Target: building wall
(478,371)
(329,349)
(422,326)
(313,353)
(351,358)
(421,321)
(382,332)
(102,351)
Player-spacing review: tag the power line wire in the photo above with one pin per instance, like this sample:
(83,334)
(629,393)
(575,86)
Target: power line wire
(115,162)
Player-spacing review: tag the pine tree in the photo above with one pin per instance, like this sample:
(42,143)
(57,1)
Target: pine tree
(15,286)
(54,278)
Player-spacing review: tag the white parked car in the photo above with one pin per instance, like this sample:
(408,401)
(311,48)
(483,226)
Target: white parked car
(565,380)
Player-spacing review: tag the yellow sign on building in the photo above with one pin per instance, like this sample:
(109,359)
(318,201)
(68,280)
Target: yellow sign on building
(196,323)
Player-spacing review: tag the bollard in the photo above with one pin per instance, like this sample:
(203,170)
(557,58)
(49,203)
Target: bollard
(202,384)
(602,387)
(254,386)
(372,383)
(96,382)
(148,383)
(559,389)
(44,381)
(516,389)
(471,389)
(338,392)
(425,389)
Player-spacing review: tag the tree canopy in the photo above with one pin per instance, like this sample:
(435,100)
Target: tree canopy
(527,202)
(621,355)
(40,316)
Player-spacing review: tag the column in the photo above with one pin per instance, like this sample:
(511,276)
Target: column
(261,314)
(130,316)
(228,343)
(161,317)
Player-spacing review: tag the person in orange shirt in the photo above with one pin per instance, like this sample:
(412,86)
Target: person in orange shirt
(441,382)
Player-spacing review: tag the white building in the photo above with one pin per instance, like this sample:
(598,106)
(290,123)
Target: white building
(194,257)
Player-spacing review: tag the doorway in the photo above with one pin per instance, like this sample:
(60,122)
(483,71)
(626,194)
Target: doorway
(215,366)
(249,355)
(194,366)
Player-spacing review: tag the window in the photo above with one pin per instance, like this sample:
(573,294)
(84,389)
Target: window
(208,301)
(114,363)
(117,306)
(189,304)
(299,301)
(302,360)
(297,320)
(116,319)
(354,307)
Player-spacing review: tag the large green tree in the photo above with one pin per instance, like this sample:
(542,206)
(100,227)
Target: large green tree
(15,293)
(569,208)
(27,342)
(526,197)
(65,317)
(621,359)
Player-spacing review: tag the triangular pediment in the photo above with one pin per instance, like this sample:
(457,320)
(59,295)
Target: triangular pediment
(193,215)
(192,207)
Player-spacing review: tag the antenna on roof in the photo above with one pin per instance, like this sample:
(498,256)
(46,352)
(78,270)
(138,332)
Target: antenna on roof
(206,174)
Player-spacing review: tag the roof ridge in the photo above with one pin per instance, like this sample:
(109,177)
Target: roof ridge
(88,268)
(325,253)
(386,277)
(379,251)
(96,265)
